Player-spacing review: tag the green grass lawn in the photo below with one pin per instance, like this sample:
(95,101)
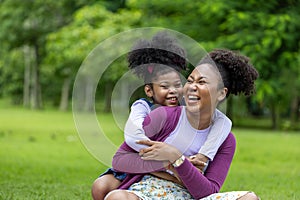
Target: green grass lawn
(43,158)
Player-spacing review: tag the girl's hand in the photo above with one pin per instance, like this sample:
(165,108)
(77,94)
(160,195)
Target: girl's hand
(158,151)
(199,161)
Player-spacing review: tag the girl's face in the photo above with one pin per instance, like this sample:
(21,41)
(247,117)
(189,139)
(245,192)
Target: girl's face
(166,89)
(201,90)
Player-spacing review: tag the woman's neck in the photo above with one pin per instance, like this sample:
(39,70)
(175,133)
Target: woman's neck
(199,120)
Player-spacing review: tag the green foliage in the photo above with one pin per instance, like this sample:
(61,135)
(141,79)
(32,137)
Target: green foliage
(27,23)
(69,46)
(268,38)
(11,74)
(66,31)
(265,32)
(31,27)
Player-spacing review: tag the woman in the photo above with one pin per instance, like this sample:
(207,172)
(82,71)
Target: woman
(183,130)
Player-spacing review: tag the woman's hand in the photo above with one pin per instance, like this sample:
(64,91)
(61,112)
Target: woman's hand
(159,151)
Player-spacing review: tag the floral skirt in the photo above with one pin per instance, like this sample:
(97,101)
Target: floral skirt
(154,188)
(234,195)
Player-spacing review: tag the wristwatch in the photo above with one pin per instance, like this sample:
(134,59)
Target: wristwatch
(179,161)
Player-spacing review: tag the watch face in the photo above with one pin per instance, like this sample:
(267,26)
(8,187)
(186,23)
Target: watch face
(179,161)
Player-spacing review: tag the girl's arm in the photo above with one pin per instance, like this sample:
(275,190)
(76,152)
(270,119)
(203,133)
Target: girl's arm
(218,133)
(133,130)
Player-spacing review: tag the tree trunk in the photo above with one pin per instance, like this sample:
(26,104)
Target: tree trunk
(64,100)
(294,109)
(89,95)
(108,93)
(27,69)
(274,116)
(36,100)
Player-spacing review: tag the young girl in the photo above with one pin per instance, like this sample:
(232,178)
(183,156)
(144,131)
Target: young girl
(158,62)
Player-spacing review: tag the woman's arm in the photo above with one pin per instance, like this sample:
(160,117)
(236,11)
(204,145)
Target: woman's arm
(160,121)
(127,160)
(199,185)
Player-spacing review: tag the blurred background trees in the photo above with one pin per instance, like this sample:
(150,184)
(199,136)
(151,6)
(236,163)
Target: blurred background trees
(43,44)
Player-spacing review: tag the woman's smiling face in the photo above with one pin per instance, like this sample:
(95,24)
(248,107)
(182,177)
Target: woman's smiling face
(201,91)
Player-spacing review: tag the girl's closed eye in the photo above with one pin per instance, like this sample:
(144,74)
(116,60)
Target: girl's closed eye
(164,86)
(177,84)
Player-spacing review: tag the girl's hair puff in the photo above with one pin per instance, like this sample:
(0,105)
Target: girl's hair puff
(158,56)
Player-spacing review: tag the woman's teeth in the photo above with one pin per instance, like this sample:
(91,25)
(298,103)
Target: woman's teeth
(193,98)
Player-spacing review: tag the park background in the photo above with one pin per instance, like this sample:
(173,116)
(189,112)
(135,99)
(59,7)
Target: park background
(43,44)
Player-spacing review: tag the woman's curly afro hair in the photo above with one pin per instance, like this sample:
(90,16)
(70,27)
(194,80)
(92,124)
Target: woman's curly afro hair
(238,74)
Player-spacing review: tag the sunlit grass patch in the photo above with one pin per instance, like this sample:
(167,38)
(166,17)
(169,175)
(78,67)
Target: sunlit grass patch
(42,157)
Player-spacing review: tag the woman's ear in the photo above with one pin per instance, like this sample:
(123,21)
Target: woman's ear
(148,91)
(222,94)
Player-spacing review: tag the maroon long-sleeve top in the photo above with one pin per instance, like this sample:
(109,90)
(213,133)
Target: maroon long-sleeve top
(157,126)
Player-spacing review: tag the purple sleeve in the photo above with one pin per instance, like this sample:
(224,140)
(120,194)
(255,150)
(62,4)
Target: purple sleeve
(201,186)
(128,160)
(157,125)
